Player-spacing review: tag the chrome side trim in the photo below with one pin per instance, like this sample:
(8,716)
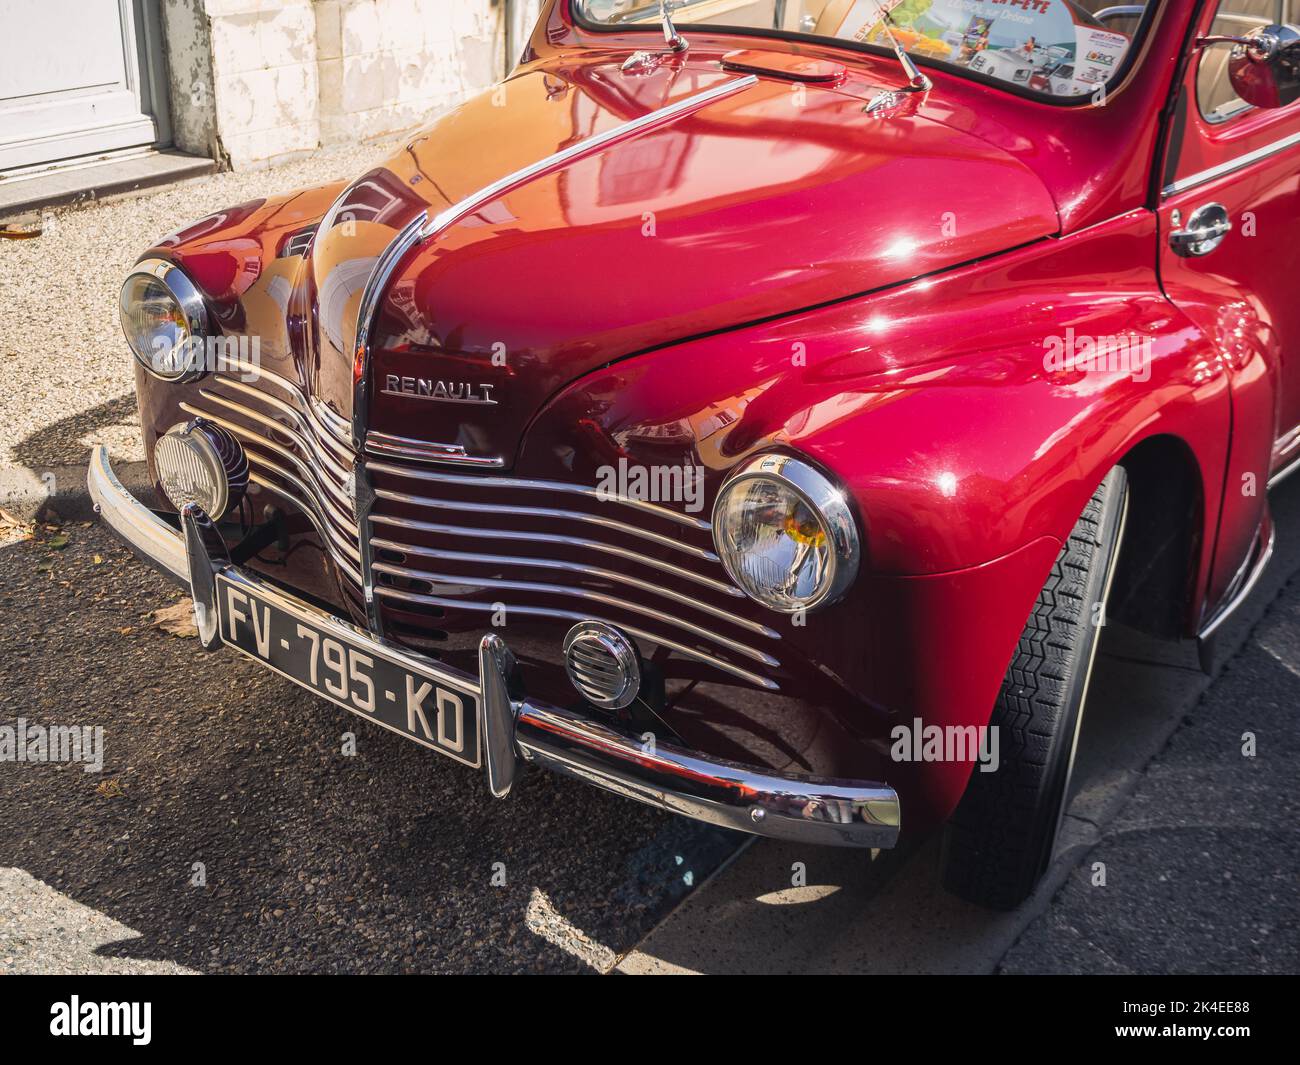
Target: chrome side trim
(1243,591)
(585,594)
(588,491)
(404,447)
(566,541)
(1284,473)
(321,487)
(569,615)
(583,148)
(329,466)
(546,512)
(1231,166)
(515,729)
(572,567)
(422,227)
(407,238)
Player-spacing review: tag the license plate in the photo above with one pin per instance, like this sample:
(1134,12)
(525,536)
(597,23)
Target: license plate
(418,704)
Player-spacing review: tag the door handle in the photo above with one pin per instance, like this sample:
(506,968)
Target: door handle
(1205,230)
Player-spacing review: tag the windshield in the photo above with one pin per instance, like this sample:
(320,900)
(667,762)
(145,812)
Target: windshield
(1054,48)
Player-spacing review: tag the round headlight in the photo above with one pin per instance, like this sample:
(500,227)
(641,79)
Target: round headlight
(164,320)
(785,534)
(201,463)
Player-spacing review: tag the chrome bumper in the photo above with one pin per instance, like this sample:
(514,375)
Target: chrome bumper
(516,730)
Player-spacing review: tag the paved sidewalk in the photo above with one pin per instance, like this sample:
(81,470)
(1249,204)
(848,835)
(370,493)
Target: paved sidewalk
(1202,866)
(66,369)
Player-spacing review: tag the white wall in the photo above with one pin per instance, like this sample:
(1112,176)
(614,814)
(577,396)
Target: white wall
(256,82)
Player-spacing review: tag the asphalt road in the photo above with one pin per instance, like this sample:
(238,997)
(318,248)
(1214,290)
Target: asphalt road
(314,861)
(389,859)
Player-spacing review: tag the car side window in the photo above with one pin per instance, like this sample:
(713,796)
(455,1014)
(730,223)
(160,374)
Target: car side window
(1214,92)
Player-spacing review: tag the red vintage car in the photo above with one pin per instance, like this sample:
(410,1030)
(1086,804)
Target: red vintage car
(745,413)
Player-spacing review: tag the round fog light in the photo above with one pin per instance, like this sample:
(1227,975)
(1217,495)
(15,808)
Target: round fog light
(202,463)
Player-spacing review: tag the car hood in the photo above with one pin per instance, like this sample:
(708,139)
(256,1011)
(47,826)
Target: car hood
(759,202)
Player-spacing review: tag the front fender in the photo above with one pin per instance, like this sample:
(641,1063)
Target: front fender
(968,456)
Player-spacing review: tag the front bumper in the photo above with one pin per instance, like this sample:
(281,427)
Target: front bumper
(517,730)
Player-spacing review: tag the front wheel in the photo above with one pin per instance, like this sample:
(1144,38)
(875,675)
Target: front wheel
(999,841)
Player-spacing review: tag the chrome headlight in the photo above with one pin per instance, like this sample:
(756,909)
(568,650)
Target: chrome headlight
(164,320)
(786,534)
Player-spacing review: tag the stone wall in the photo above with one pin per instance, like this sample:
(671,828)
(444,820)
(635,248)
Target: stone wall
(257,82)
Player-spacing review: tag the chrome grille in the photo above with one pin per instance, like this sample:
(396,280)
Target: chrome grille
(448,543)
(560,551)
(296,450)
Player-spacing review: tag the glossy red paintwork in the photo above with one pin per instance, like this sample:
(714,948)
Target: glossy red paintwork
(874,294)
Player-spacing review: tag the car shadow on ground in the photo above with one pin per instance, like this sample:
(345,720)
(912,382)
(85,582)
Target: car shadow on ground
(232,830)
(65,442)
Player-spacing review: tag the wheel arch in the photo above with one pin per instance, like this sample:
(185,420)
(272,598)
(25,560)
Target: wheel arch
(1164,537)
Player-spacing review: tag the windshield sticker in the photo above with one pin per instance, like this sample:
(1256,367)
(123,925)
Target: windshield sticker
(1100,53)
(1032,43)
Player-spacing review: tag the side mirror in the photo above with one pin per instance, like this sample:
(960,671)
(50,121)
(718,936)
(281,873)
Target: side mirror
(1264,66)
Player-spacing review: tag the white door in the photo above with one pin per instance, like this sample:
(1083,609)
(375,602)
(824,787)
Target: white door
(71,80)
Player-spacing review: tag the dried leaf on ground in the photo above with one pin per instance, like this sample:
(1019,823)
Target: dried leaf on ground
(177,619)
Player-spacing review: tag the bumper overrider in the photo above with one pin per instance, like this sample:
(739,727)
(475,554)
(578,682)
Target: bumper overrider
(511,728)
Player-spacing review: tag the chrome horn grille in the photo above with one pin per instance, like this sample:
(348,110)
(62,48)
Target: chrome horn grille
(602,664)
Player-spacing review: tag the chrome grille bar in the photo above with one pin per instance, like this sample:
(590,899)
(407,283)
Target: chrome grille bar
(413,524)
(310,474)
(306,470)
(546,512)
(542,588)
(325,422)
(588,491)
(300,436)
(400,595)
(571,567)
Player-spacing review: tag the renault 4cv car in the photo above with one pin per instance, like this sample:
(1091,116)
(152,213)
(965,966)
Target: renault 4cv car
(754,408)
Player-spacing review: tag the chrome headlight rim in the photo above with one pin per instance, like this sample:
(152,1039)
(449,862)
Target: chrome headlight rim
(828,502)
(188,299)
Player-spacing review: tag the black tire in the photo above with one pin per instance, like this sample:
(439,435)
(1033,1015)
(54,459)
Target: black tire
(999,841)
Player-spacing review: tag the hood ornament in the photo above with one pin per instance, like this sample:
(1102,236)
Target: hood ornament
(645,62)
(893,99)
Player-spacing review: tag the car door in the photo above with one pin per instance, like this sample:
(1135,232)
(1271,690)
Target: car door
(1239,166)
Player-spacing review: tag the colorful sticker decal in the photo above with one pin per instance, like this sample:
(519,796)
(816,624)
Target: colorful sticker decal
(1099,55)
(1032,43)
